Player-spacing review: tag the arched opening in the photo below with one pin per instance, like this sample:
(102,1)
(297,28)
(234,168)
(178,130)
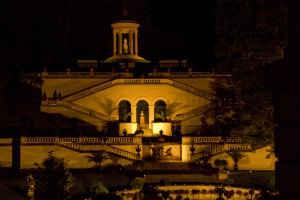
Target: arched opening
(160,110)
(142,106)
(124,111)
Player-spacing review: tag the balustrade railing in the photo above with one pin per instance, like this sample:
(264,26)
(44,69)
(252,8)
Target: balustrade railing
(109,84)
(217,139)
(197,75)
(193,90)
(195,140)
(91,90)
(111,74)
(39,140)
(120,152)
(220,148)
(108,140)
(77,74)
(79,140)
(86,144)
(194,112)
(81,109)
(30,75)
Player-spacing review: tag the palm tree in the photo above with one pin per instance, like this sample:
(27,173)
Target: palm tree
(108,106)
(98,158)
(124,111)
(194,191)
(164,111)
(204,192)
(236,156)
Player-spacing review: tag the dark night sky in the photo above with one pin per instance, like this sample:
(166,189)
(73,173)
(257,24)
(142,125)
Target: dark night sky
(44,32)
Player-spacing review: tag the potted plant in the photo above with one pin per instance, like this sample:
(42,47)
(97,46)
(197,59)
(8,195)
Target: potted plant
(192,149)
(236,156)
(220,163)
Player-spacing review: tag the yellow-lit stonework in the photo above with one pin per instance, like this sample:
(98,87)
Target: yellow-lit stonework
(146,111)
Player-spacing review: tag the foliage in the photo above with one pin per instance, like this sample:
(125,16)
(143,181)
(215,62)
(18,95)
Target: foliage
(108,196)
(30,187)
(162,111)
(98,158)
(220,162)
(236,155)
(137,183)
(109,106)
(165,181)
(138,163)
(161,115)
(165,194)
(96,189)
(53,179)
(229,181)
(124,111)
(250,35)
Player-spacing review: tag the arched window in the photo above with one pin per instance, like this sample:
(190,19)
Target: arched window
(160,111)
(124,111)
(142,106)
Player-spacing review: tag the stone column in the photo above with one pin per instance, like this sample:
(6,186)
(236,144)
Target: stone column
(133,116)
(115,42)
(120,42)
(151,116)
(131,42)
(136,42)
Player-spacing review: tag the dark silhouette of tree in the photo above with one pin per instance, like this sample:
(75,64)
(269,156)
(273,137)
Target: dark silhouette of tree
(250,36)
(98,158)
(236,156)
(53,179)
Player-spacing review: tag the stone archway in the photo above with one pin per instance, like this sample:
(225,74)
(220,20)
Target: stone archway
(142,113)
(125,111)
(160,109)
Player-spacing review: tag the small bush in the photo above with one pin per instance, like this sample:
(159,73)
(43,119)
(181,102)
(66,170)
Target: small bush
(137,183)
(229,181)
(165,181)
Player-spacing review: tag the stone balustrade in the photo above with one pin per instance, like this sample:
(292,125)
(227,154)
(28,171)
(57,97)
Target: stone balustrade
(196,140)
(108,140)
(111,74)
(108,84)
(217,139)
(188,75)
(81,109)
(77,74)
(194,112)
(142,81)
(192,90)
(220,148)
(38,140)
(81,140)
(120,152)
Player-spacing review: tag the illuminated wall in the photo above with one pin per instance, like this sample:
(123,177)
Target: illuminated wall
(133,93)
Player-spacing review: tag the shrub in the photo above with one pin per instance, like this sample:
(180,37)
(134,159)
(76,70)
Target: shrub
(165,181)
(137,183)
(53,179)
(229,181)
(97,189)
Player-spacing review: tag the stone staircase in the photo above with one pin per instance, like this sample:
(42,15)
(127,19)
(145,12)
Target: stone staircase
(108,84)
(87,145)
(96,147)
(218,149)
